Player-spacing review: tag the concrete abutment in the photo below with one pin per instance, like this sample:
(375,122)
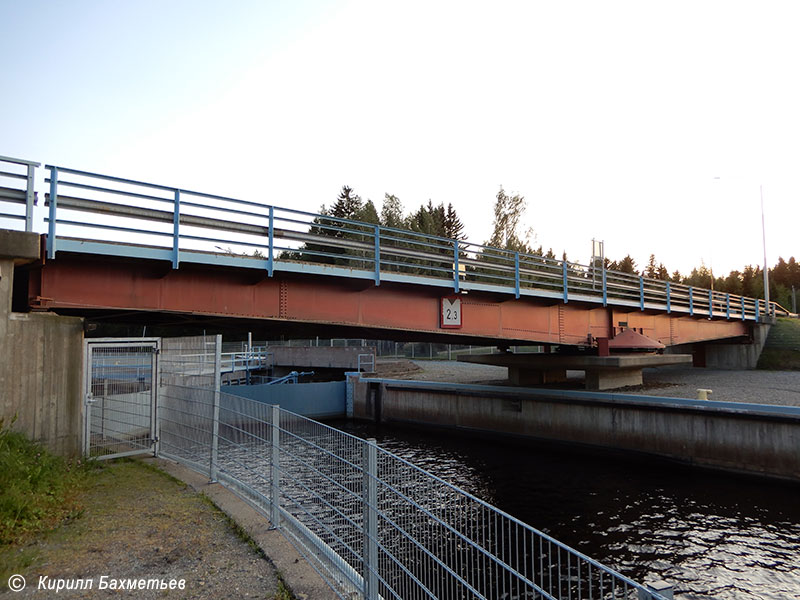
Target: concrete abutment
(41,359)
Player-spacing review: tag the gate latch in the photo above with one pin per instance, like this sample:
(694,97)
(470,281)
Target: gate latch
(89,399)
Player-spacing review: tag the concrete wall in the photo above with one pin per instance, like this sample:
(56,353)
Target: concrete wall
(746,438)
(315,400)
(721,355)
(41,357)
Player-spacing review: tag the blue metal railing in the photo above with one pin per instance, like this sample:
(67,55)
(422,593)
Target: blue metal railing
(19,170)
(93,213)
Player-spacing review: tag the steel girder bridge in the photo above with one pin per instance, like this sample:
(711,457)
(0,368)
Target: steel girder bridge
(114,246)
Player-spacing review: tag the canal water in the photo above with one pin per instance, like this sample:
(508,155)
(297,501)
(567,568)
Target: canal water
(712,535)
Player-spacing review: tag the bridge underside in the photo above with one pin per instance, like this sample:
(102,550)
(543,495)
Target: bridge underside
(151,292)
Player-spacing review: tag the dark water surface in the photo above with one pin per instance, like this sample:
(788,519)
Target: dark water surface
(712,535)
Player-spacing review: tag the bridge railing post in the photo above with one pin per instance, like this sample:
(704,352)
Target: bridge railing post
(641,292)
(564,277)
(727,306)
(29,196)
(742,298)
(455,265)
(669,299)
(377,255)
(516,274)
(691,301)
(271,242)
(176,225)
(605,287)
(710,303)
(51,222)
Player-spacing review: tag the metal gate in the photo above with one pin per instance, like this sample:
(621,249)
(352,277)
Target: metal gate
(120,394)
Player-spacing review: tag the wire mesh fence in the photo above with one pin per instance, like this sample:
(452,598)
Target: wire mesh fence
(376,525)
(120,398)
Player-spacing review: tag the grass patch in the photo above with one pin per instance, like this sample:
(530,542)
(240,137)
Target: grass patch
(779,359)
(37,489)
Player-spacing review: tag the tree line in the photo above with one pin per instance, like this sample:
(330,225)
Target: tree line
(509,237)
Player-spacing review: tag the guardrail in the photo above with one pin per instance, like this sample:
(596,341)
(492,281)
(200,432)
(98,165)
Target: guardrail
(93,213)
(373,524)
(14,195)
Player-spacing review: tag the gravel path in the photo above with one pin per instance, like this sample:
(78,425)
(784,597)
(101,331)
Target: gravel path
(140,523)
(759,387)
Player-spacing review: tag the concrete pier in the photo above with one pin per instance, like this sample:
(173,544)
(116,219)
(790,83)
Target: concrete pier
(602,372)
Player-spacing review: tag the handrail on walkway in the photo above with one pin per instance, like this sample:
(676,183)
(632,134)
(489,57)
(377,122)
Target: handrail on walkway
(95,213)
(14,195)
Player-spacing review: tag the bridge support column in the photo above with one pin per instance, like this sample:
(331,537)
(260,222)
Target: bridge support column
(598,380)
(522,376)
(40,360)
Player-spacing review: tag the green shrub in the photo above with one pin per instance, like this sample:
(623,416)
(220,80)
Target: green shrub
(37,489)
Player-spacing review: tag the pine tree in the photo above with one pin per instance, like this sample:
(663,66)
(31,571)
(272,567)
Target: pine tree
(347,205)
(626,265)
(453,227)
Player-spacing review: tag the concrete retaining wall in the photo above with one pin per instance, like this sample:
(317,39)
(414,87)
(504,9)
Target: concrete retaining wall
(41,357)
(756,439)
(721,355)
(315,400)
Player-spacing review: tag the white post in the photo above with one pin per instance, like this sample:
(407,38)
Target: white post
(275,430)
(766,266)
(212,467)
(370,499)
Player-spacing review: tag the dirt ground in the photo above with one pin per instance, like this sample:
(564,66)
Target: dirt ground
(140,523)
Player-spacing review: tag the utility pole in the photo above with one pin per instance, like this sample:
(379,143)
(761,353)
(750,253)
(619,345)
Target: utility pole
(766,267)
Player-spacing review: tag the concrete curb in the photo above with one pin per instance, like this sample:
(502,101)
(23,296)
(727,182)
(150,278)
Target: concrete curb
(299,576)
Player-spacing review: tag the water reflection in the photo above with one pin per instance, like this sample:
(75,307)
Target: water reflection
(713,535)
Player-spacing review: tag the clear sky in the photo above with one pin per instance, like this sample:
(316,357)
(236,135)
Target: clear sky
(612,118)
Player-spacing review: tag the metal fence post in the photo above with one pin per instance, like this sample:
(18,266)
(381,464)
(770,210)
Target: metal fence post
(455,265)
(710,303)
(641,292)
(605,287)
(727,306)
(212,467)
(377,255)
(275,466)
(370,499)
(669,299)
(742,308)
(691,302)
(29,195)
(564,276)
(516,274)
(176,224)
(662,588)
(270,250)
(51,224)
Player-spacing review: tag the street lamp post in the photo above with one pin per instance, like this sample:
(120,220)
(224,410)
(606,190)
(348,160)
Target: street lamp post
(764,238)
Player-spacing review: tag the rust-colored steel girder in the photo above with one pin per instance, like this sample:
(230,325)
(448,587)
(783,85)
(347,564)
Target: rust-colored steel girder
(86,283)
